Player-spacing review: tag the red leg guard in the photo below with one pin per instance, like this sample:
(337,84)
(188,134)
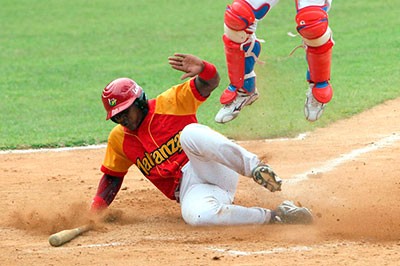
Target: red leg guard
(312,24)
(319,62)
(227,96)
(324,94)
(235,61)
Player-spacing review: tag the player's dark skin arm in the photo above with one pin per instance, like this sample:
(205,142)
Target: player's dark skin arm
(192,66)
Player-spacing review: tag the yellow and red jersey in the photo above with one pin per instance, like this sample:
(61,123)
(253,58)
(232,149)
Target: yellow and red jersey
(155,147)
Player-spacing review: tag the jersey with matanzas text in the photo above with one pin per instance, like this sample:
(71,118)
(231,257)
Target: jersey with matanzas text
(155,147)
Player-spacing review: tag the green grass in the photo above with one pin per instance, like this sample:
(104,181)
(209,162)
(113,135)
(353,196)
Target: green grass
(56,56)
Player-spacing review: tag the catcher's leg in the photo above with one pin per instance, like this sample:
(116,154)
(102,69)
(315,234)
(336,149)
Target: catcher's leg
(234,98)
(241,50)
(312,24)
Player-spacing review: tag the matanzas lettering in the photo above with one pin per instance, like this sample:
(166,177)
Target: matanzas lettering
(160,155)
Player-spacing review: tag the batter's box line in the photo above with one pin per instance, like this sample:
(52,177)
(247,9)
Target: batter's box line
(332,164)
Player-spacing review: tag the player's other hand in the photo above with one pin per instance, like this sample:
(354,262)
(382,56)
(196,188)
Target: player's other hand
(190,64)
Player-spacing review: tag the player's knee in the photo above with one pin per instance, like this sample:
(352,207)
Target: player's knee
(196,217)
(313,26)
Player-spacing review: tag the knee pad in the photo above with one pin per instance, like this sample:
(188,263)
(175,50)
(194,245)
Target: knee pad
(312,25)
(240,20)
(239,15)
(242,15)
(312,22)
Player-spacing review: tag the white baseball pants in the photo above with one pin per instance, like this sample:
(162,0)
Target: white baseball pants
(210,179)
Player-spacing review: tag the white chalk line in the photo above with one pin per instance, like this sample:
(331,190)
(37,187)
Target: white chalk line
(301,136)
(260,252)
(293,249)
(53,249)
(113,244)
(102,146)
(96,245)
(332,164)
(90,147)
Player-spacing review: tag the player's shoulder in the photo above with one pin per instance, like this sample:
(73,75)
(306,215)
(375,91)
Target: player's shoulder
(117,130)
(116,134)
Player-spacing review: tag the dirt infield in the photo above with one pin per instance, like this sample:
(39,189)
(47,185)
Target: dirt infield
(348,173)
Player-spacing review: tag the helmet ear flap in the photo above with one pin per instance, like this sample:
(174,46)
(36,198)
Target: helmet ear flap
(141,102)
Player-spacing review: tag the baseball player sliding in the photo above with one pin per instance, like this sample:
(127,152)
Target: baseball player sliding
(188,162)
(242,50)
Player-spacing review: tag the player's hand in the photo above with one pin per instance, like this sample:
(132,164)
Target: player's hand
(190,64)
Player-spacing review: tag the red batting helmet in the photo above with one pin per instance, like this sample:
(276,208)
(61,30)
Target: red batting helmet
(119,94)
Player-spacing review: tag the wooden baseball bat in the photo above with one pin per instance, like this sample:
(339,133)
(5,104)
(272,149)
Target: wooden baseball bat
(64,236)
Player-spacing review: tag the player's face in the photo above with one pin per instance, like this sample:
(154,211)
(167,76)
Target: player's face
(129,118)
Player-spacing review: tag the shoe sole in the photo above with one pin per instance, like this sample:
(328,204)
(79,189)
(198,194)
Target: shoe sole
(271,182)
(299,215)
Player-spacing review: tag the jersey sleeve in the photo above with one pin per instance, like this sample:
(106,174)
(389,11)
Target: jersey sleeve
(181,99)
(115,161)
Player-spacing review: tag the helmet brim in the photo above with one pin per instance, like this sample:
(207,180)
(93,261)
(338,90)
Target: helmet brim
(119,108)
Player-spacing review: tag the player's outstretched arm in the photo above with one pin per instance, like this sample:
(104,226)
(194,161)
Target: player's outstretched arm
(106,192)
(207,75)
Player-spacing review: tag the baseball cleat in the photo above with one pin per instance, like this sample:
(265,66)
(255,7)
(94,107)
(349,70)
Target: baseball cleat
(266,177)
(312,108)
(230,111)
(289,213)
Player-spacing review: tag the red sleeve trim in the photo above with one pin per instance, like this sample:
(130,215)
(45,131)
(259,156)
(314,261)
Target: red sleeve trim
(196,93)
(110,172)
